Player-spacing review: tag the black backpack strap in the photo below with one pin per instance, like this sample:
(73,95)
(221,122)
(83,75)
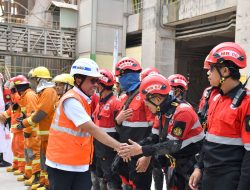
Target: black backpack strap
(164,130)
(130,98)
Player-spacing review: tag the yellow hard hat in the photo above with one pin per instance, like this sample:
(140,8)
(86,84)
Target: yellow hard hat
(41,72)
(64,78)
(30,73)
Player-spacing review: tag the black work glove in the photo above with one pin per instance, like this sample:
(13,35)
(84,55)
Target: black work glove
(15,106)
(20,125)
(20,119)
(26,135)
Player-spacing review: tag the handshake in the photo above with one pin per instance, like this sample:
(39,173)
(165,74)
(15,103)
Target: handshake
(125,152)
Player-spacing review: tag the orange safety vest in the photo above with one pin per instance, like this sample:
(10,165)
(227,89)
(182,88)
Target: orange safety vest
(68,144)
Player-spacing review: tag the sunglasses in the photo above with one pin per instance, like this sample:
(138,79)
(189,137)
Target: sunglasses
(13,90)
(94,80)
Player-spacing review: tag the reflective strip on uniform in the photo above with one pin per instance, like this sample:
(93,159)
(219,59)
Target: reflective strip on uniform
(196,125)
(6,115)
(36,161)
(42,174)
(70,131)
(28,167)
(34,129)
(43,132)
(15,158)
(247,146)
(21,159)
(171,137)
(155,131)
(14,126)
(135,124)
(108,130)
(184,105)
(193,139)
(223,140)
(31,123)
(23,109)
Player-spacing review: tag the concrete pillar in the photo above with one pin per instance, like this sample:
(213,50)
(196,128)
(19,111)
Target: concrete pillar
(242,31)
(98,22)
(158,42)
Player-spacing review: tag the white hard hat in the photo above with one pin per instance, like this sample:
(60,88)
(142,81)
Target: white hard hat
(85,66)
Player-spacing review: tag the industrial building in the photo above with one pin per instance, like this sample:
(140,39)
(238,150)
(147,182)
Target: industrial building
(175,36)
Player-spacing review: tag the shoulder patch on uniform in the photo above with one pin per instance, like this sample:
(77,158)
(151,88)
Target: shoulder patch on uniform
(178,128)
(7,97)
(248,123)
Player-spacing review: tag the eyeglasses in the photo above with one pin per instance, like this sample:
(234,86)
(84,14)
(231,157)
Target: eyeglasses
(94,80)
(212,67)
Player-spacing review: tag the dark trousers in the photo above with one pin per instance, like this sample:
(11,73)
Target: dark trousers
(65,180)
(226,181)
(140,181)
(103,170)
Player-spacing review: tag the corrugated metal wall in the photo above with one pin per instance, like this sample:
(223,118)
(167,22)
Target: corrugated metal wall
(23,64)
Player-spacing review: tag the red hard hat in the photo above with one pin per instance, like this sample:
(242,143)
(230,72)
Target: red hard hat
(178,80)
(108,78)
(148,71)
(206,64)
(154,84)
(20,79)
(127,63)
(227,51)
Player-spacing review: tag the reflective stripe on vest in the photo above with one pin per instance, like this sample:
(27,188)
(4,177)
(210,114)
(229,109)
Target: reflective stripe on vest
(136,124)
(108,130)
(223,140)
(70,131)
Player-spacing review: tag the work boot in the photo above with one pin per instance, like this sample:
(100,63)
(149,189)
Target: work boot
(42,188)
(22,178)
(17,172)
(33,180)
(10,169)
(36,186)
(112,186)
(126,187)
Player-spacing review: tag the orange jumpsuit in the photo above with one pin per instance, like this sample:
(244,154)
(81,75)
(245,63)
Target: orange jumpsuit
(28,103)
(47,100)
(18,139)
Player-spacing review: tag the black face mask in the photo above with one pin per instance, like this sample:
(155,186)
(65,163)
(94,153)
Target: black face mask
(166,104)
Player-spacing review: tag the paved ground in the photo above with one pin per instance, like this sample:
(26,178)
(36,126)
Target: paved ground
(8,181)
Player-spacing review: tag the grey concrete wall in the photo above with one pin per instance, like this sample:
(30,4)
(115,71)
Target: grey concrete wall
(242,31)
(158,44)
(98,22)
(189,10)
